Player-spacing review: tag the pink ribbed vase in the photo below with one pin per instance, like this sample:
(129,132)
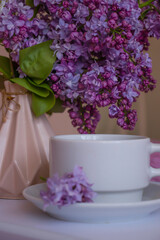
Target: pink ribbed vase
(24,141)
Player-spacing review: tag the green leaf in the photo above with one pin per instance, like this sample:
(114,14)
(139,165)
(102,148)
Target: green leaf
(26,83)
(5,67)
(30,3)
(58,107)
(42,85)
(42,105)
(37,61)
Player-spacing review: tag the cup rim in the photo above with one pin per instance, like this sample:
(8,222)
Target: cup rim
(98,138)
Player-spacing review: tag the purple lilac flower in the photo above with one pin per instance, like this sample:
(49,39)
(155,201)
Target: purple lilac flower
(81,13)
(36,2)
(71,81)
(152,19)
(113,111)
(64,67)
(69,189)
(17,29)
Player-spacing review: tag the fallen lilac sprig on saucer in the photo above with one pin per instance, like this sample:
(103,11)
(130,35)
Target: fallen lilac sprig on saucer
(69,189)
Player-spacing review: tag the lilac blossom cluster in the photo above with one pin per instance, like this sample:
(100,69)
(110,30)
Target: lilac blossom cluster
(99,48)
(17,31)
(152,21)
(69,189)
(150,18)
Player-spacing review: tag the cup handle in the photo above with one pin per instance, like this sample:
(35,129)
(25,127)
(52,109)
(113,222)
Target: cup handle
(155,172)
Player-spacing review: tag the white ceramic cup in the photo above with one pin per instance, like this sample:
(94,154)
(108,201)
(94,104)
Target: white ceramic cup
(117,165)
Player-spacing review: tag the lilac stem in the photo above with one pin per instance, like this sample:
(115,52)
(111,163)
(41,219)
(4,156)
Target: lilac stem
(146,3)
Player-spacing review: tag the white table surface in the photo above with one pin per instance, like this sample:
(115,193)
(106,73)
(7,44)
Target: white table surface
(20,220)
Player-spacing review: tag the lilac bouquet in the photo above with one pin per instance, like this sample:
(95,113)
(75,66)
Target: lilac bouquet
(69,189)
(80,55)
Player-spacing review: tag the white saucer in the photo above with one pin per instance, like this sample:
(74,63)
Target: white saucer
(99,212)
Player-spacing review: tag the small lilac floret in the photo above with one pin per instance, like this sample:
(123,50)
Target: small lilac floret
(69,189)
